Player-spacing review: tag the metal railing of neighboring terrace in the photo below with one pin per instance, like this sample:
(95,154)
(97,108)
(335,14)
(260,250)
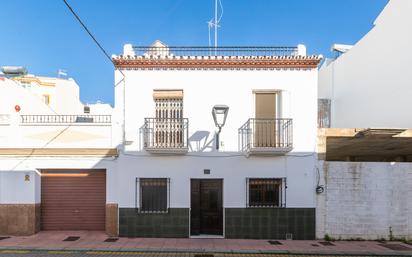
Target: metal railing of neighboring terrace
(216,51)
(265,133)
(64,119)
(165,133)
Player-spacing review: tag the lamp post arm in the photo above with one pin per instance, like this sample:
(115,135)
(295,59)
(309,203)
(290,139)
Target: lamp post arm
(217,140)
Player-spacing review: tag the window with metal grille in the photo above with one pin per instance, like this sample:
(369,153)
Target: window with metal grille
(266,192)
(153,194)
(169,122)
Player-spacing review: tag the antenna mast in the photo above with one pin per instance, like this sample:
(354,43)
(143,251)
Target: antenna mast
(214,22)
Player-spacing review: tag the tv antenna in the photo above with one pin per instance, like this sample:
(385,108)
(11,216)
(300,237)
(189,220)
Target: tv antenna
(214,22)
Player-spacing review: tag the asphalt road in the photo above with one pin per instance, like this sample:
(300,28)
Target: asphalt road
(26,253)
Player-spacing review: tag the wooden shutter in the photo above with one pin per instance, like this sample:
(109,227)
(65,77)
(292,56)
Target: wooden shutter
(265,123)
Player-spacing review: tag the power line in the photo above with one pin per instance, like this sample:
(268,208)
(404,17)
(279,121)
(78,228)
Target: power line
(90,34)
(111,61)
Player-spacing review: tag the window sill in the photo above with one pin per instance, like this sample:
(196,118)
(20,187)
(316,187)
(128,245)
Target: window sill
(153,212)
(265,207)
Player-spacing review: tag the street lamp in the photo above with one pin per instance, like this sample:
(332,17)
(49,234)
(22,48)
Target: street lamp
(219,113)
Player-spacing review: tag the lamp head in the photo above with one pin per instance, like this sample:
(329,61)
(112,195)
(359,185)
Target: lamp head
(219,113)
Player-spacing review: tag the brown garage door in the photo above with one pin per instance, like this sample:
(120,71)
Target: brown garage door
(73,199)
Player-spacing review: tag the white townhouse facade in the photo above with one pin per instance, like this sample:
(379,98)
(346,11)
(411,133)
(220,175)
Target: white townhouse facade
(365,133)
(176,179)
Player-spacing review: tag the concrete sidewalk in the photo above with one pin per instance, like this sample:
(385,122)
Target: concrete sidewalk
(97,241)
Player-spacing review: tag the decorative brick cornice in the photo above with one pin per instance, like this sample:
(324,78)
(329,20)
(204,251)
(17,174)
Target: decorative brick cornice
(207,62)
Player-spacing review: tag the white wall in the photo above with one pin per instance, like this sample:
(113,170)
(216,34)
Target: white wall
(370,85)
(234,170)
(365,199)
(15,189)
(205,88)
(67,97)
(56,136)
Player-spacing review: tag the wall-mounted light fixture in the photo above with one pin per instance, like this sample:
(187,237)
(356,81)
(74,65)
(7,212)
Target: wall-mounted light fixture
(219,113)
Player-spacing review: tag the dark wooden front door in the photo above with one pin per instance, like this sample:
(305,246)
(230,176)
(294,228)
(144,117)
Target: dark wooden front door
(206,207)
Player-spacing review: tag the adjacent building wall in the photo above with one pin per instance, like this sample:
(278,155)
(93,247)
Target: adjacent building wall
(370,85)
(19,202)
(368,200)
(20,190)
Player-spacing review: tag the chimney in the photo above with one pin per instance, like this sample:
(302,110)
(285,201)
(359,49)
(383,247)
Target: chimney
(128,50)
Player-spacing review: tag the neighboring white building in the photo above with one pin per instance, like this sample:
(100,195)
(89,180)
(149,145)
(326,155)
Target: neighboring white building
(47,134)
(369,85)
(59,95)
(259,184)
(43,95)
(33,110)
(365,156)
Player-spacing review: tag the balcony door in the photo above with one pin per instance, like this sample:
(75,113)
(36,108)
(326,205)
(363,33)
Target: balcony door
(264,127)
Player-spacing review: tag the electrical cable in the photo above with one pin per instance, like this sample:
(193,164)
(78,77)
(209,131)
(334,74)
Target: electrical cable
(90,34)
(111,61)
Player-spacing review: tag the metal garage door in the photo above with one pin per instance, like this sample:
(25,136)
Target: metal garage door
(73,199)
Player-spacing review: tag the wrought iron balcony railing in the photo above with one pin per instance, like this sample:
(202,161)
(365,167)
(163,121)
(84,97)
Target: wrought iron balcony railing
(216,51)
(65,119)
(166,134)
(266,136)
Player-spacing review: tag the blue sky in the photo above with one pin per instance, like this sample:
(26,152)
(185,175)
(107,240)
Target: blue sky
(44,36)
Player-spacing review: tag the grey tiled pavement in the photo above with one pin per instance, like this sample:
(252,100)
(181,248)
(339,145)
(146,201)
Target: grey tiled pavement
(144,254)
(92,244)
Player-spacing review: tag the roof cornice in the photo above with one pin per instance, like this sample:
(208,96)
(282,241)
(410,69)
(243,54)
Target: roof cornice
(216,62)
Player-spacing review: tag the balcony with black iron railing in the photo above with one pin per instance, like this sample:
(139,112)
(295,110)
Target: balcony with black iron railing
(266,136)
(166,135)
